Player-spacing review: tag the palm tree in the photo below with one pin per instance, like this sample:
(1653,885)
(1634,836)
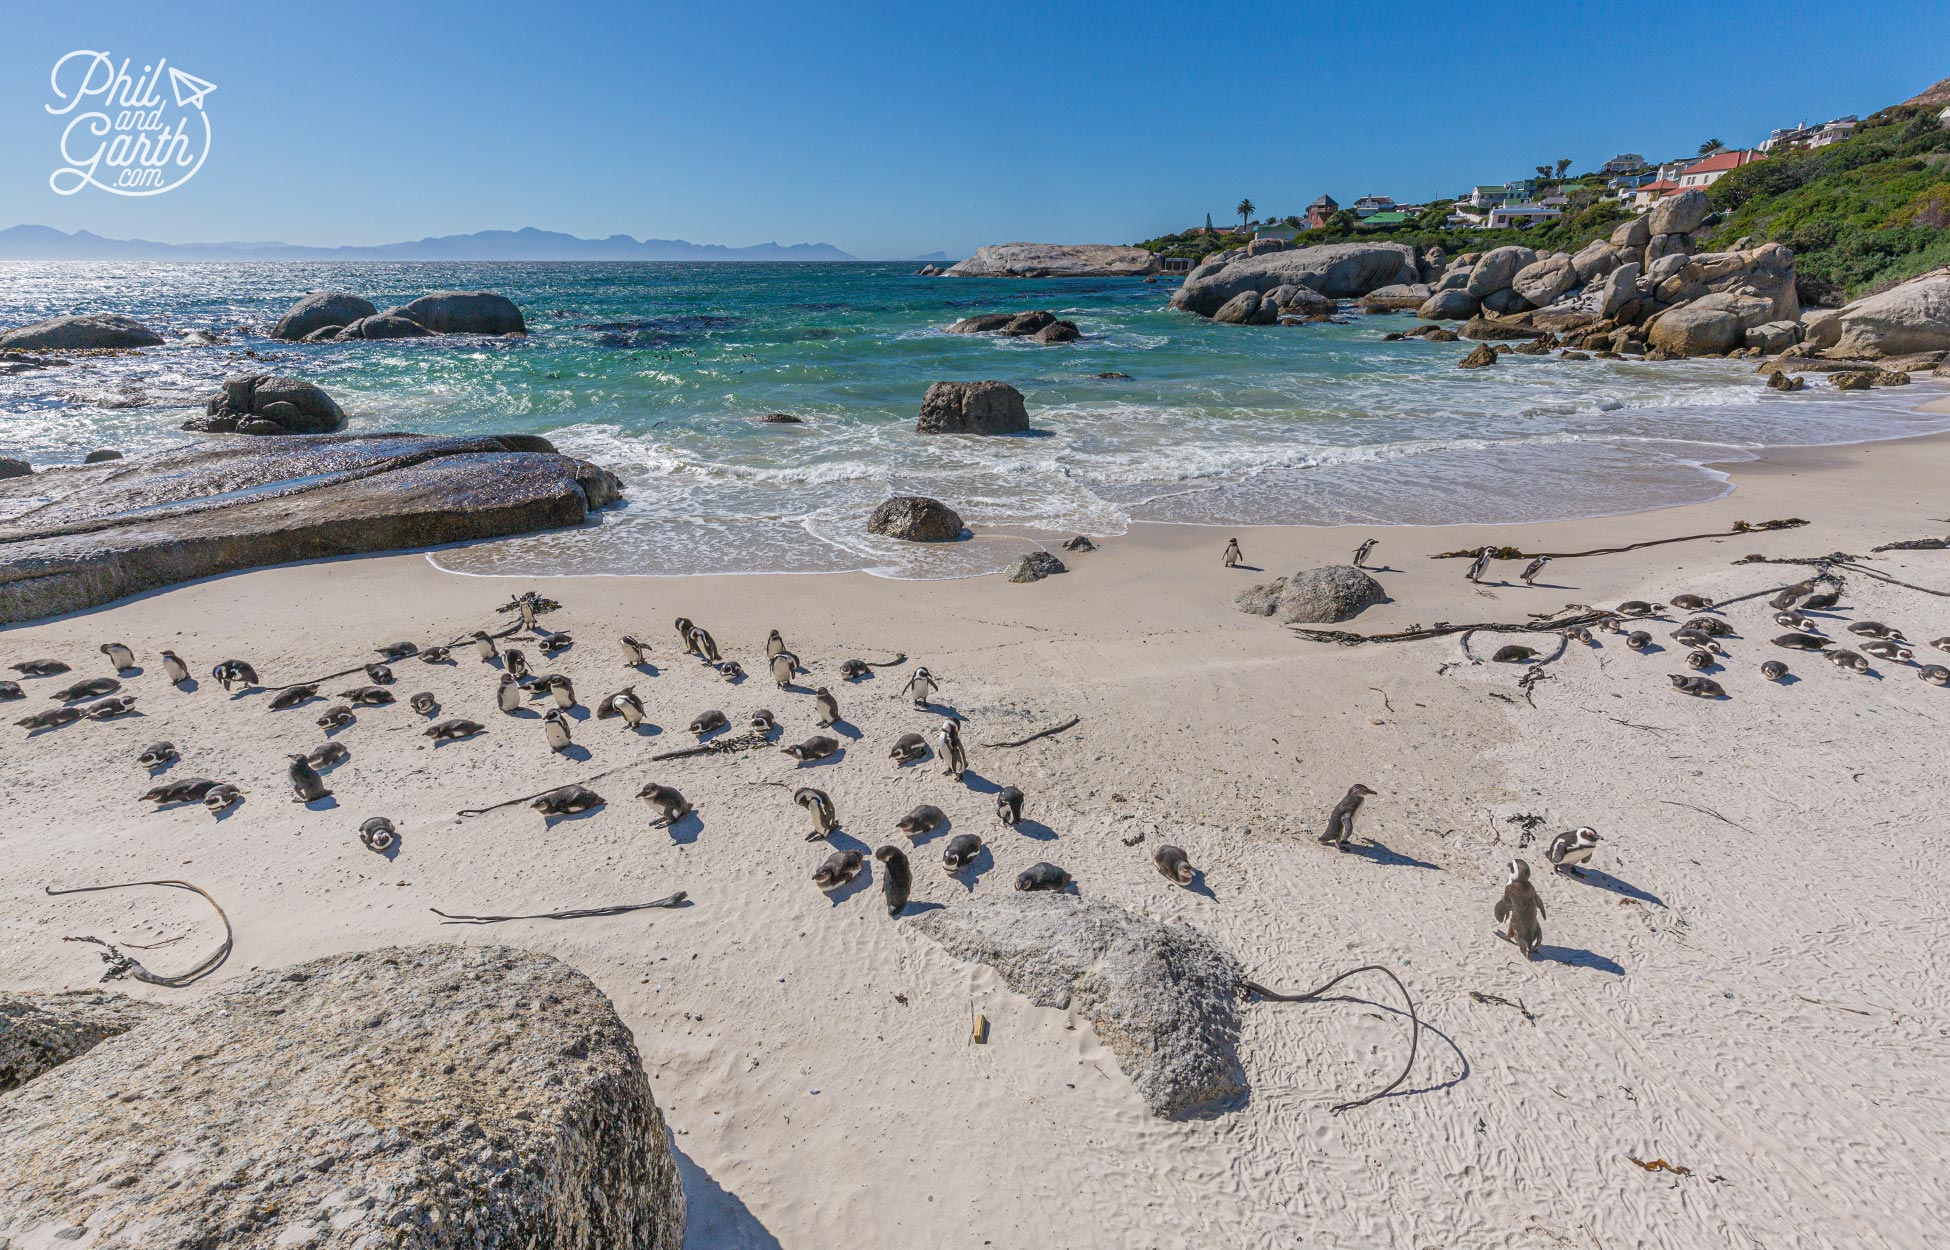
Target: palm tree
(1563,163)
(1710,147)
(1245,210)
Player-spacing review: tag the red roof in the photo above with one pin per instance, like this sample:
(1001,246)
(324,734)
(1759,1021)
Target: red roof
(1662,186)
(1722,161)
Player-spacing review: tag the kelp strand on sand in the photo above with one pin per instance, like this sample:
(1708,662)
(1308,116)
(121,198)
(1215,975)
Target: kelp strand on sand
(578,913)
(121,965)
(1841,559)
(1040,733)
(1516,553)
(1312,995)
(1442,629)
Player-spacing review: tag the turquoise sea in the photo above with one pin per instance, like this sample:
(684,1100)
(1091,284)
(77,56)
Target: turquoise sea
(659,372)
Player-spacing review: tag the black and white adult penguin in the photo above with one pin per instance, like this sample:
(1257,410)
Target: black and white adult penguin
(1843,658)
(218,798)
(762,721)
(397,650)
(684,627)
(1698,687)
(1935,674)
(327,754)
(484,645)
(454,729)
(775,644)
(896,878)
(731,671)
(1340,822)
(567,801)
(235,673)
(434,655)
(306,784)
(119,655)
(10,690)
(1638,640)
(1232,556)
(156,754)
(623,703)
(1888,649)
(709,721)
(1572,847)
(1773,670)
(1531,570)
(819,806)
(515,662)
(555,727)
(1008,806)
(635,651)
(174,668)
(908,748)
(555,644)
(39,668)
(377,834)
(817,747)
(51,718)
(1042,875)
(1873,629)
(1803,642)
(1699,660)
(785,666)
(961,851)
(948,745)
(367,696)
(336,716)
(1362,552)
(922,686)
(1521,911)
(292,696)
(1480,565)
(379,674)
(1941,644)
(703,645)
(1691,602)
(424,703)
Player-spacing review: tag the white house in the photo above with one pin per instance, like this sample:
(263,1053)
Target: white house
(1806,136)
(1521,216)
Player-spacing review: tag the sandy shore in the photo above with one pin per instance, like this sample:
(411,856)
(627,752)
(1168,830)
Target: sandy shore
(1752,986)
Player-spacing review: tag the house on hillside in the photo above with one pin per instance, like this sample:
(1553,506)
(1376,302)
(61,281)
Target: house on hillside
(1486,197)
(1623,163)
(1806,136)
(1368,205)
(1518,190)
(1521,216)
(1320,210)
(1622,187)
(1391,217)
(1703,174)
(1284,234)
(1648,194)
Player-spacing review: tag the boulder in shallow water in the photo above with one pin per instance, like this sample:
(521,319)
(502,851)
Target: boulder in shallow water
(1694,331)
(1336,592)
(1162,997)
(387,325)
(10,467)
(464,312)
(1454,304)
(96,457)
(1055,260)
(973,408)
(1334,270)
(1482,356)
(82,332)
(429,1097)
(1247,309)
(319,310)
(280,406)
(1911,317)
(1035,566)
(40,1032)
(916,519)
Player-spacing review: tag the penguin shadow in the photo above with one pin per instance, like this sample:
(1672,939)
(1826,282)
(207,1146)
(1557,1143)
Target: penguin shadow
(1254,568)
(230,811)
(947,710)
(684,830)
(391,853)
(245,692)
(838,755)
(978,783)
(189,685)
(549,822)
(915,908)
(577,713)
(646,668)
(646,729)
(1382,855)
(1788,679)
(575,751)
(129,672)
(331,766)
(48,729)
(1576,957)
(942,830)
(524,713)
(844,728)
(1651,648)
(1198,886)
(324,803)
(1035,829)
(1605,881)
(709,734)
(433,711)
(968,877)
(157,770)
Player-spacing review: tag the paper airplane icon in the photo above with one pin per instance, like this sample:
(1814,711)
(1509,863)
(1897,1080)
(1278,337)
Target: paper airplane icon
(190,89)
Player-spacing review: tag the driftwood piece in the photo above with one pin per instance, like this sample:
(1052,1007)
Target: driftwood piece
(121,965)
(1514,553)
(1313,995)
(579,913)
(1040,733)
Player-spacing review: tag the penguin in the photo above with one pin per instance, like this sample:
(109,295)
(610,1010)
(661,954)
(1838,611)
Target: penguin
(327,754)
(1232,556)
(705,646)
(94,687)
(118,655)
(1521,911)
(1796,621)
(424,703)
(623,703)
(50,718)
(923,686)
(10,690)
(379,674)
(896,878)
(306,784)
(454,730)
(235,672)
(1822,602)
(508,696)
(555,727)
(1042,876)
(292,696)
(1888,650)
(1008,806)
(818,747)
(1340,822)
(336,715)
(1361,553)
(377,834)
(188,790)
(397,650)
(563,690)
(1637,607)
(1941,644)
(1699,659)
(40,668)
(1711,626)
(855,670)
(484,645)
(961,851)
(1513,654)
(1172,862)
(1874,629)
(1787,598)
(1802,642)
(1773,670)
(827,706)
(174,668)
(156,754)
(1693,638)
(567,801)
(526,606)
(684,628)
(731,671)
(909,748)
(819,806)
(1571,848)
(669,805)
(762,721)
(775,645)
(555,644)
(515,662)
(1480,565)
(922,821)
(1691,603)
(220,797)
(784,666)
(635,651)
(954,757)
(1698,687)
(367,696)
(708,722)
(1843,658)
(1935,674)
(838,869)
(435,655)
(1531,570)
(109,708)
(1638,640)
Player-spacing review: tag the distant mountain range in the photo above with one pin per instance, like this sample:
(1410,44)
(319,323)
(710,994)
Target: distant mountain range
(46,243)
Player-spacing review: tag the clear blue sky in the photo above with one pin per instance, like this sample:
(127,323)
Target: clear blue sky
(895,130)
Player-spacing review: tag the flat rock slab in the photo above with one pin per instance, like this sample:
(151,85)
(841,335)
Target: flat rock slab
(425,1097)
(1056,260)
(1163,997)
(75,537)
(40,1032)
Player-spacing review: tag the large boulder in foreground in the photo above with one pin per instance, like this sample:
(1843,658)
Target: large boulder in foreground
(973,408)
(1454,304)
(1336,270)
(40,1032)
(219,505)
(260,404)
(1912,317)
(81,332)
(1162,997)
(1056,260)
(1679,214)
(916,519)
(318,311)
(1694,331)
(1337,592)
(431,1097)
(464,312)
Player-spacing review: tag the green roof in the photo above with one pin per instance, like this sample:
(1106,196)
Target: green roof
(1385,219)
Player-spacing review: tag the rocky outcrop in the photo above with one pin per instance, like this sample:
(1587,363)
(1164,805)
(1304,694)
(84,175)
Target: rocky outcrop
(1695,331)
(1056,260)
(1161,996)
(1491,329)
(464,312)
(81,332)
(1678,214)
(387,325)
(1454,304)
(973,408)
(1248,308)
(428,1097)
(1400,297)
(321,310)
(1337,592)
(1482,357)
(1545,279)
(1335,270)
(40,1032)
(1911,317)
(10,467)
(1036,565)
(215,506)
(1041,326)
(261,404)
(1497,268)
(916,519)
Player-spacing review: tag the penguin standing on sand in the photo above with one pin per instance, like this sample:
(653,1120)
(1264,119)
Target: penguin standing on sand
(174,668)
(1232,555)
(1361,553)
(556,726)
(1531,570)
(954,756)
(1340,823)
(1479,566)
(1571,848)
(922,686)
(1521,911)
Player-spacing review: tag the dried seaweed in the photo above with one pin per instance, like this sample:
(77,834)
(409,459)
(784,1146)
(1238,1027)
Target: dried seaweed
(579,913)
(1514,553)
(121,965)
(1313,995)
(1494,1000)
(1660,1165)
(723,746)
(1916,544)
(1442,629)
(1041,733)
